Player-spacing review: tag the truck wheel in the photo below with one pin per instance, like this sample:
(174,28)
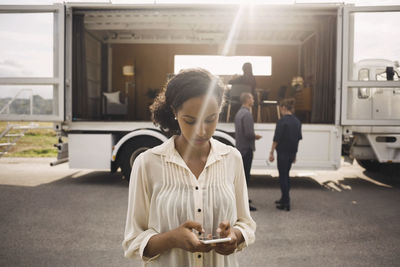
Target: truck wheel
(369,165)
(131,150)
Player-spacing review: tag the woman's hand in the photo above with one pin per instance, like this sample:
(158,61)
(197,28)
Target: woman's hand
(229,247)
(181,237)
(184,238)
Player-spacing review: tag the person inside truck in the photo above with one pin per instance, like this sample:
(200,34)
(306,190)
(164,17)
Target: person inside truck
(190,187)
(247,79)
(286,141)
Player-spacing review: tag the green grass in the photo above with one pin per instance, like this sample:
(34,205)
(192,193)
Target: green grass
(35,143)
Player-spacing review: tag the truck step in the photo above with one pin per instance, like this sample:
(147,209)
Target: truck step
(29,127)
(7,144)
(15,135)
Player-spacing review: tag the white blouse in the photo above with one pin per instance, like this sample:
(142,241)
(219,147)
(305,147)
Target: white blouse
(164,193)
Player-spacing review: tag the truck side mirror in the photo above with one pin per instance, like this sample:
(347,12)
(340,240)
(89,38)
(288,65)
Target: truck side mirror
(389,73)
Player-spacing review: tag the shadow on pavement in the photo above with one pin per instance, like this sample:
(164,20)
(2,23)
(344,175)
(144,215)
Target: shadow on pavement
(386,175)
(360,183)
(268,181)
(376,180)
(93,178)
(109,179)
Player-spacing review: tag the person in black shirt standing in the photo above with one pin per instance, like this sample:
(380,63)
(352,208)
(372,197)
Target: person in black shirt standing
(286,141)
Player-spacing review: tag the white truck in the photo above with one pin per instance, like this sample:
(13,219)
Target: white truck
(105,62)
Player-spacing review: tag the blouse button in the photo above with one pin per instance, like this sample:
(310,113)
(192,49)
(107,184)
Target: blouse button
(199,256)
(199,210)
(197,188)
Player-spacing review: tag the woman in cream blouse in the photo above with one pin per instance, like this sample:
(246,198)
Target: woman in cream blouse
(190,186)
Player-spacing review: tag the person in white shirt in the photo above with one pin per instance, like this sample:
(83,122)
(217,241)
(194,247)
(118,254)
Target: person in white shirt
(190,186)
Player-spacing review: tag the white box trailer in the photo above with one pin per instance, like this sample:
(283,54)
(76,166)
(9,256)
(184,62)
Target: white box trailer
(348,114)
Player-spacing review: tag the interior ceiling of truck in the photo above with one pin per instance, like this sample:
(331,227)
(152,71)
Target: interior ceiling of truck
(206,26)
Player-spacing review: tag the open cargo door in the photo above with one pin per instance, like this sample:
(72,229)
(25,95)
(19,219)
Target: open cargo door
(371,55)
(321,66)
(32,63)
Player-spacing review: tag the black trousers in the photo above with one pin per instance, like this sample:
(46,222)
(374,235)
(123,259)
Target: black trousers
(247,158)
(285,161)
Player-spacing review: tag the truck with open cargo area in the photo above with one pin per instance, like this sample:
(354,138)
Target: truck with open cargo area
(107,62)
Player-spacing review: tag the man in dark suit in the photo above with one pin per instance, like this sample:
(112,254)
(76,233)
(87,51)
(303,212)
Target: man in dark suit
(245,135)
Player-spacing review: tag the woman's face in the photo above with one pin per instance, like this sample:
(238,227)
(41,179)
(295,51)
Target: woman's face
(197,119)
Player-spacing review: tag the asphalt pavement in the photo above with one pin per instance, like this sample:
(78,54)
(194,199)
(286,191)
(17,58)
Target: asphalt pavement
(55,216)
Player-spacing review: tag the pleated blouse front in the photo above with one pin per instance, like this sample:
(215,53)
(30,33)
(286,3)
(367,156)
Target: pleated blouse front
(164,193)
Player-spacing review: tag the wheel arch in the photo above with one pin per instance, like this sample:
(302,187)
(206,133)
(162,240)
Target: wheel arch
(158,135)
(137,133)
(224,136)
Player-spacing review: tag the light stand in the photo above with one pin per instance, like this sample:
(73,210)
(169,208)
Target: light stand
(129,71)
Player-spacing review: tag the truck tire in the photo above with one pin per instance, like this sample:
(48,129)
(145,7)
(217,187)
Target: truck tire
(369,165)
(133,148)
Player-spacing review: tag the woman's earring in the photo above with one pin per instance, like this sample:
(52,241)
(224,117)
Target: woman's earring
(175,118)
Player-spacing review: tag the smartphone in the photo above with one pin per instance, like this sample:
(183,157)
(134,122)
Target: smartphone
(214,239)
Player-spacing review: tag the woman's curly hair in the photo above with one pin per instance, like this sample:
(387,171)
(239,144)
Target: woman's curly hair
(186,84)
